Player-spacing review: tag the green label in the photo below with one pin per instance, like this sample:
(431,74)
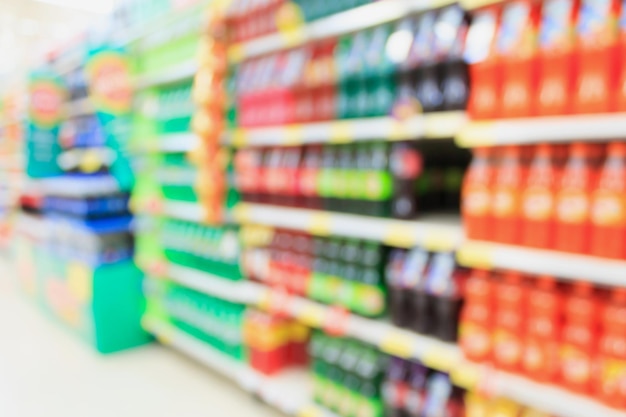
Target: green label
(378,185)
(369,300)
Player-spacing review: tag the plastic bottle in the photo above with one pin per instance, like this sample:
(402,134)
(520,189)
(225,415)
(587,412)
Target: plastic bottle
(538,206)
(613,351)
(580,338)
(483,64)
(620,90)
(517,48)
(476,318)
(509,335)
(309,173)
(543,330)
(406,164)
(597,56)
(573,199)
(506,205)
(556,65)
(477,194)
(608,211)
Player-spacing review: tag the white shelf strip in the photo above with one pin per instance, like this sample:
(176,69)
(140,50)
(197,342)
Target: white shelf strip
(289,392)
(75,187)
(556,129)
(437,233)
(180,72)
(598,270)
(434,126)
(433,353)
(360,18)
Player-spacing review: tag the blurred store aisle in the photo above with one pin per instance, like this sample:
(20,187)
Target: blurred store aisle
(45,371)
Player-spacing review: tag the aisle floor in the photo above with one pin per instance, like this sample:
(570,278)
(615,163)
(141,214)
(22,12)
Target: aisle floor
(45,371)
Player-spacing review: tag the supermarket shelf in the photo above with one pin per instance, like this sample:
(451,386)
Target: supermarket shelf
(543,262)
(596,127)
(80,107)
(439,355)
(77,187)
(170,143)
(436,233)
(433,353)
(360,18)
(179,72)
(441,125)
(289,391)
(191,212)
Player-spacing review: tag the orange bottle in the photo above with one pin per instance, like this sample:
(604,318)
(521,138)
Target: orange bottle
(573,199)
(477,317)
(597,56)
(484,70)
(538,196)
(517,47)
(506,207)
(543,330)
(608,210)
(579,345)
(476,194)
(556,63)
(511,299)
(613,351)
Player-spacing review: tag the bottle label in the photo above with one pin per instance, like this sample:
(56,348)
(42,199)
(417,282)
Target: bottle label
(573,207)
(369,300)
(507,347)
(308,182)
(378,185)
(476,200)
(613,378)
(608,209)
(475,340)
(504,203)
(538,204)
(575,365)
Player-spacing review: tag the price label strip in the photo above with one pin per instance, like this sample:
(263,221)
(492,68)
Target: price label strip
(477,134)
(476,255)
(400,235)
(337,320)
(398,344)
(341,132)
(320,224)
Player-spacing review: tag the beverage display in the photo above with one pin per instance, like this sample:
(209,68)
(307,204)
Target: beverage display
(426,292)
(379,179)
(550,331)
(214,249)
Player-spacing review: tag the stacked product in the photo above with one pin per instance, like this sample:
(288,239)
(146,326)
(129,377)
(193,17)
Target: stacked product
(570,335)
(400,180)
(75,252)
(554,57)
(214,321)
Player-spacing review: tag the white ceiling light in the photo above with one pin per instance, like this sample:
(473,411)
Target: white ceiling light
(94,6)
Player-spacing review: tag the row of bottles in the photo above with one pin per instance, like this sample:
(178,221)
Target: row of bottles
(342,272)
(567,198)
(426,292)
(214,249)
(403,68)
(212,320)
(553,57)
(377,179)
(572,335)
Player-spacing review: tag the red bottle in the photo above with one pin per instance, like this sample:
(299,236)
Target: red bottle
(539,196)
(608,212)
(506,203)
(597,56)
(543,331)
(483,64)
(511,299)
(556,63)
(517,48)
(579,346)
(477,194)
(573,213)
(475,334)
(613,351)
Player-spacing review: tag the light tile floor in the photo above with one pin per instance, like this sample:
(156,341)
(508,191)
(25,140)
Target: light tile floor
(45,371)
